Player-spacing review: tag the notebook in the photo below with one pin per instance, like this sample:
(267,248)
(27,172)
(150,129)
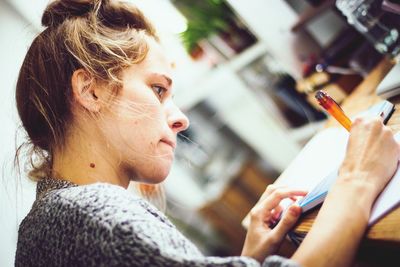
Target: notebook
(387,200)
(319,162)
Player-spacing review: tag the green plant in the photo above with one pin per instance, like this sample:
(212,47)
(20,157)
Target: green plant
(205,17)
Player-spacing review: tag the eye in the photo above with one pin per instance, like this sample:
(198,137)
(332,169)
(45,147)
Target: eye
(159,91)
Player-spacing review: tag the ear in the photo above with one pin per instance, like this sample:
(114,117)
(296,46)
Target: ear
(84,90)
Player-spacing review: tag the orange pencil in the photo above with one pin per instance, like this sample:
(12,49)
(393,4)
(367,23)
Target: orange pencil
(333,108)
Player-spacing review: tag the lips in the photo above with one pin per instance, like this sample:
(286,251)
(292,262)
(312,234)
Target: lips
(169,142)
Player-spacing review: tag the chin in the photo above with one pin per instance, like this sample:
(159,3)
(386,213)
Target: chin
(152,172)
(163,168)
(156,175)
(161,175)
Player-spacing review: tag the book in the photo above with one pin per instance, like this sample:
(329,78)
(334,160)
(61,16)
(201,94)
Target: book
(319,163)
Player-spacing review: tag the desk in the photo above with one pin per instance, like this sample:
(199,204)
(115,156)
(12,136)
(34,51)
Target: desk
(381,245)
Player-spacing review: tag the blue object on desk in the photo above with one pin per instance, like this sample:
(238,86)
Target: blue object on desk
(318,194)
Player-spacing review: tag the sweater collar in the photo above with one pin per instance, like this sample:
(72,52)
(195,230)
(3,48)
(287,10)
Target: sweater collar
(48,184)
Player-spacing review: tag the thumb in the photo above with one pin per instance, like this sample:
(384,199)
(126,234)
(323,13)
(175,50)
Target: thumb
(287,221)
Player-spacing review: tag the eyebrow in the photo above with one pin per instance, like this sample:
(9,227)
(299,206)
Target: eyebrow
(168,79)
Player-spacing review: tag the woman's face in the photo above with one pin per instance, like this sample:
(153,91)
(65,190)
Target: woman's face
(143,122)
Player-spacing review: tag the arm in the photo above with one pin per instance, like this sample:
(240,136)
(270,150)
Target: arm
(370,162)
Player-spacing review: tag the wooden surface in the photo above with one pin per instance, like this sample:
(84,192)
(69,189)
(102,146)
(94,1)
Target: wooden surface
(387,230)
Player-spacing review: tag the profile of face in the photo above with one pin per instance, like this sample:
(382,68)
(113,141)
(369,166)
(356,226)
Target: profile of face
(141,124)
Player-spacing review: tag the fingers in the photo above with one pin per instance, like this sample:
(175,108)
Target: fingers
(369,124)
(268,210)
(276,212)
(260,238)
(371,131)
(287,221)
(371,150)
(269,190)
(273,200)
(367,117)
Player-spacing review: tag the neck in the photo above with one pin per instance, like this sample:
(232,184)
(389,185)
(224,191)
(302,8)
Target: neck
(87,159)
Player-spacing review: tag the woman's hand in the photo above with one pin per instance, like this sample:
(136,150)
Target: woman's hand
(371,160)
(261,240)
(372,154)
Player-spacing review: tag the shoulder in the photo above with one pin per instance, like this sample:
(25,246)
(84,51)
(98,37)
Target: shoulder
(90,211)
(92,195)
(101,220)
(100,202)
(66,209)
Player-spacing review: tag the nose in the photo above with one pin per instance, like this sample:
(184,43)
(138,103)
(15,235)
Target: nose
(177,121)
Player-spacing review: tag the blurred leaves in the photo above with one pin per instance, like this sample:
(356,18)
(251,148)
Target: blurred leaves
(205,18)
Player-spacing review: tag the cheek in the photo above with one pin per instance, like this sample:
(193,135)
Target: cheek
(138,125)
(140,135)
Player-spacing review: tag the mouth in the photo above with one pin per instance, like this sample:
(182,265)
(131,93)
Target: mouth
(169,142)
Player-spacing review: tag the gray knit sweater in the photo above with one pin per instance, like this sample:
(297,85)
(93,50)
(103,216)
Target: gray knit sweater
(105,225)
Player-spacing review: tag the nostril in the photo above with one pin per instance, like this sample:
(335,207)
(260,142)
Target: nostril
(177,124)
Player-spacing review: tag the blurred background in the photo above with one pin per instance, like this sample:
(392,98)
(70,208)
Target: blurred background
(245,73)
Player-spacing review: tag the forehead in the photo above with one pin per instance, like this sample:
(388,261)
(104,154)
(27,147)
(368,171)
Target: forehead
(156,60)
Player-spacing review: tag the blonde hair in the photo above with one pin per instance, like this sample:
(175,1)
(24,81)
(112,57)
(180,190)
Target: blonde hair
(101,36)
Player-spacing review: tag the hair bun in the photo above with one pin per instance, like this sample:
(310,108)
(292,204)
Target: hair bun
(60,10)
(121,14)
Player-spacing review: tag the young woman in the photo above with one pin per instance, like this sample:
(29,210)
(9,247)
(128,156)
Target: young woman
(94,95)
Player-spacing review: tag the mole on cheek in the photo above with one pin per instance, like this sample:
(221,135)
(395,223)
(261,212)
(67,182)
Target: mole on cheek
(92,165)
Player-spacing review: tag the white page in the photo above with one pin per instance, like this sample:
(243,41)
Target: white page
(322,154)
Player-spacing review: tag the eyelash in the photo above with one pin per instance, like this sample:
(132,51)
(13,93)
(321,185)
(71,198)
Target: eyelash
(160,94)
